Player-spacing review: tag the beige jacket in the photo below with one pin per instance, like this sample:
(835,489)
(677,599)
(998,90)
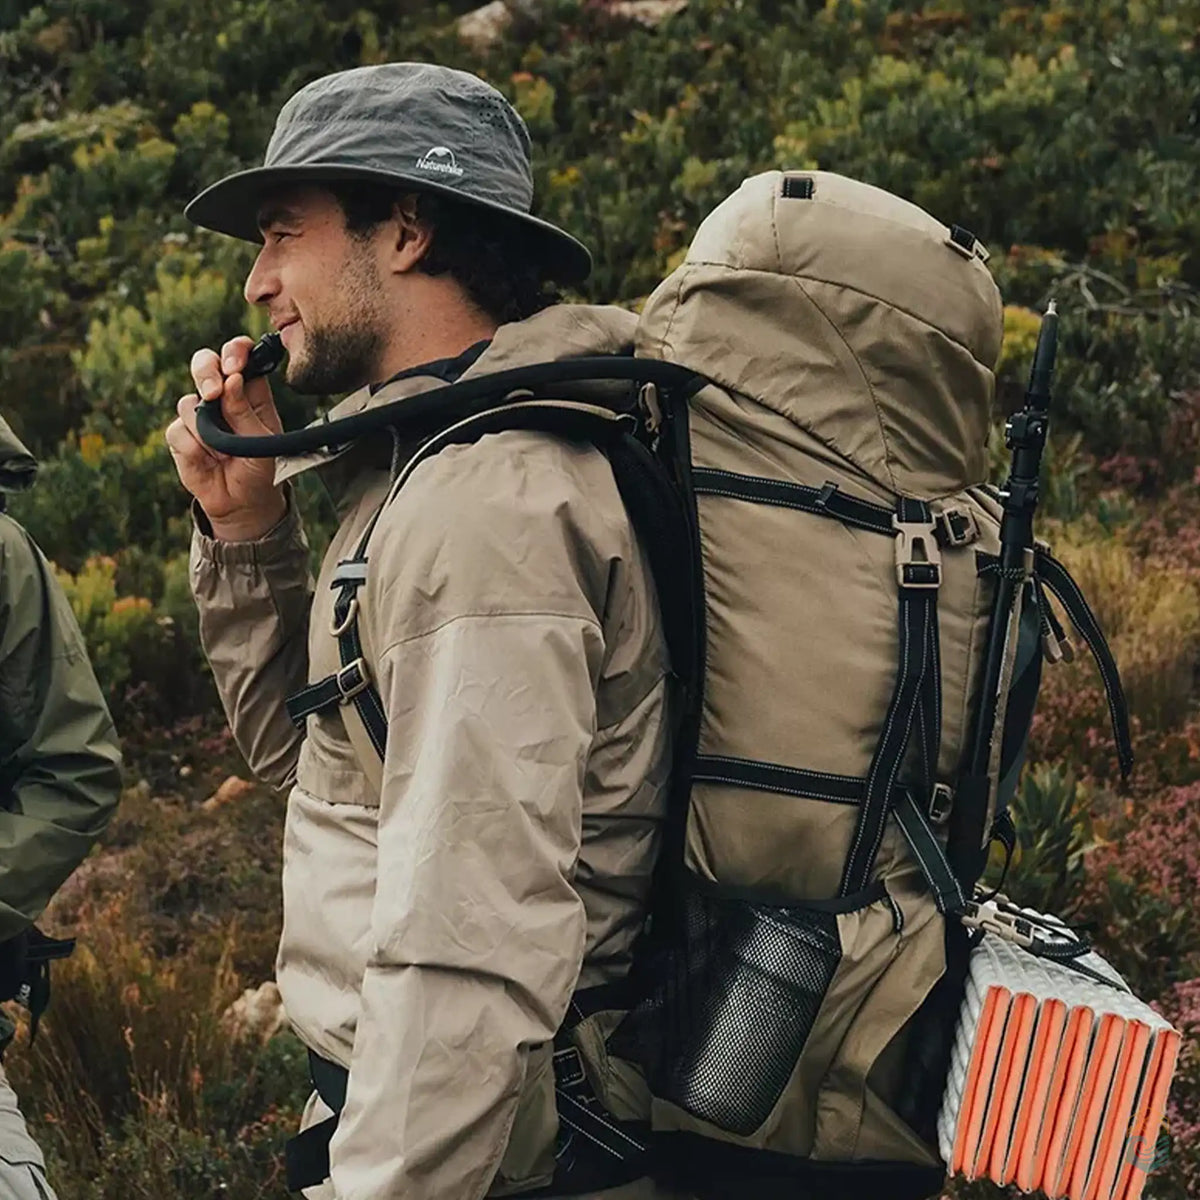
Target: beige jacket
(434,930)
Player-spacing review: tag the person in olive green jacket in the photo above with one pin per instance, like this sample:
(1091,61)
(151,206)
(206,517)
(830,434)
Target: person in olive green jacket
(60,779)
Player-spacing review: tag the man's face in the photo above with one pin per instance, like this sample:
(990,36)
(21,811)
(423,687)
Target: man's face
(323,290)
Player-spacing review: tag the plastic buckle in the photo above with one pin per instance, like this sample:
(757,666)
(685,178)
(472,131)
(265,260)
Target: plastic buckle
(991,920)
(347,691)
(918,560)
(940,803)
(568,1068)
(957,527)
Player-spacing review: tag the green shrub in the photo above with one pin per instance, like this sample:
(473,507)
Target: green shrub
(1063,134)
(1052,813)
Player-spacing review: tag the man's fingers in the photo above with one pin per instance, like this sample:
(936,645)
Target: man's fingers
(192,457)
(248,407)
(206,373)
(234,354)
(192,446)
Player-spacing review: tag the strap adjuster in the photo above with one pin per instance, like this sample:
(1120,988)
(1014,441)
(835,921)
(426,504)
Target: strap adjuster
(956,527)
(352,679)
(990,919)
(568,1068)
(941,801)
(918,560)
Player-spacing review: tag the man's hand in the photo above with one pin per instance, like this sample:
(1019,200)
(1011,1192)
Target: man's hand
(238,495)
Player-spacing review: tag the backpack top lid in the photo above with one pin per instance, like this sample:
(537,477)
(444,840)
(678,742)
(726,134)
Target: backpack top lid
(849,311)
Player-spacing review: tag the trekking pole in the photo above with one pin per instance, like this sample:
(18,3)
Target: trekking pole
(1025,435)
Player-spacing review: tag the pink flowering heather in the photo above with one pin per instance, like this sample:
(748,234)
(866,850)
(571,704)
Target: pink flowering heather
(1140,889)
(1181,1006)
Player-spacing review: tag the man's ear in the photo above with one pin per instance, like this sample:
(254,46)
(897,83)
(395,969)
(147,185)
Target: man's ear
(412,236)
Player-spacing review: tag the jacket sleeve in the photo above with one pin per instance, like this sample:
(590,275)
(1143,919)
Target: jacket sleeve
(62,763)
(490,631)
(253,599)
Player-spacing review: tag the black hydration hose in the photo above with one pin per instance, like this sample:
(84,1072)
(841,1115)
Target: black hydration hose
(465,398)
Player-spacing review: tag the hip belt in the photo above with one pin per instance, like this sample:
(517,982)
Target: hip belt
(593,1150)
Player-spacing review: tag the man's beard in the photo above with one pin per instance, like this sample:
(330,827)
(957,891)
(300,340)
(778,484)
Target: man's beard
(336,358)
(343,356)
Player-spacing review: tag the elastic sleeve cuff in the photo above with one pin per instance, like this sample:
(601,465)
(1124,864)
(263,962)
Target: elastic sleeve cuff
(281,541)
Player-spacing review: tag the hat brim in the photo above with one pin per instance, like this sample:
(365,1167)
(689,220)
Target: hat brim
(230,206)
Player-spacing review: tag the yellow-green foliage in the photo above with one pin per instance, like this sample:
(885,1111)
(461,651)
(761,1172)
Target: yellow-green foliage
(1021,326)
(1062,134)
(1150,612)
(130,364)
(113,626)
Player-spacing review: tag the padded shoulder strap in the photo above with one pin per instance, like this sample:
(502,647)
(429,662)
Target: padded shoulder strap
(655,511)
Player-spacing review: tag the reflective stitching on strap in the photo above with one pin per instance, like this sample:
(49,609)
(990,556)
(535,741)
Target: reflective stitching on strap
(860,829)
(591,1137)
(897,912)
(756,762)
(592,1115)
(947,891)
(917,608)
(806,785)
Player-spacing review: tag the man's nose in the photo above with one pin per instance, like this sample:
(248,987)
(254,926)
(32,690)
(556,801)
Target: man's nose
(262,283)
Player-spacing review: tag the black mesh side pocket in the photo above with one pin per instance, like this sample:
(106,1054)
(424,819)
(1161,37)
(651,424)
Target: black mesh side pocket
(730,1010)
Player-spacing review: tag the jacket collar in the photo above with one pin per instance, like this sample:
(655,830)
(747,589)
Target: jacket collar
(562,331)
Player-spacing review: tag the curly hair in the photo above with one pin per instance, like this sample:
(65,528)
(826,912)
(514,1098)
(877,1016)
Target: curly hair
(487,254)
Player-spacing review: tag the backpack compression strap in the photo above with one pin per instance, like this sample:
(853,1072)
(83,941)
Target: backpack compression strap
(916,702)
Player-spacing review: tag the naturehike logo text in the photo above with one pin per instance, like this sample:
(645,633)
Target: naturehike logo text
(440,159)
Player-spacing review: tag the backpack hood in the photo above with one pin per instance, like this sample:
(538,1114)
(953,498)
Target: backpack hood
(850,312)
(17,466)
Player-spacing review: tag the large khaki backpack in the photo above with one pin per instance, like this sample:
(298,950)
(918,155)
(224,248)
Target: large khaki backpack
(848,549)
(807,475)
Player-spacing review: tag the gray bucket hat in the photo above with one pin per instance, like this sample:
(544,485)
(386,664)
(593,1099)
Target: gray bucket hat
(416,125)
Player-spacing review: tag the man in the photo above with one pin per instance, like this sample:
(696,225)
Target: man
(60,780)
(441,906)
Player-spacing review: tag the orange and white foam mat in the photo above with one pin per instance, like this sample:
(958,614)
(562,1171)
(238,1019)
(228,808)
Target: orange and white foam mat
(1059,1077)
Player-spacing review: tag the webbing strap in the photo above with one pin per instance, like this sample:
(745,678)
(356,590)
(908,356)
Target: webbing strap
(579,1110)
(790,781)
(614,1152)
(827,501)
(306,1155)
(1004,831)
(339,688)
(1052,575)
(929,711)
(947,893)
(953,527)
(1056,577)
(918,587)
(350,649)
